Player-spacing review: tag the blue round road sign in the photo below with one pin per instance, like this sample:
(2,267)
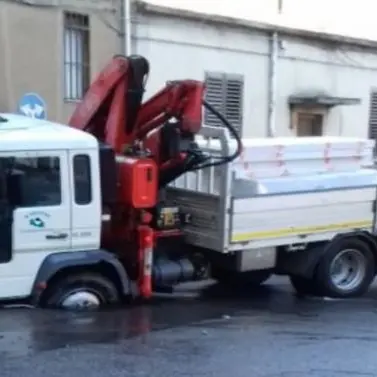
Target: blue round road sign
(33,106)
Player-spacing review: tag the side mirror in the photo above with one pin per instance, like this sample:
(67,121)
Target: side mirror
(15,185)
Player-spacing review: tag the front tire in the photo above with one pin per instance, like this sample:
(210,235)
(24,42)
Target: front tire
(85,291)
(347,269)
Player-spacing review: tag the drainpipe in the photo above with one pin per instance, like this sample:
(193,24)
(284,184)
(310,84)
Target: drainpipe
(125,17)
(272,84)
(8,92)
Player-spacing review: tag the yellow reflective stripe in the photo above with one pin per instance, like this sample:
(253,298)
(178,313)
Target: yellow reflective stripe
(248,236)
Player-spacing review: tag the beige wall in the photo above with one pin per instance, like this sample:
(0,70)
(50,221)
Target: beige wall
(31,45)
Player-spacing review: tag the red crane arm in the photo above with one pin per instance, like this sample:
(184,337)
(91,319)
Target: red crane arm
(156,140)
(113,112)
(111,104)
(179,99)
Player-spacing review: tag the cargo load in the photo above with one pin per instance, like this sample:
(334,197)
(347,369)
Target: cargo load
(279,192)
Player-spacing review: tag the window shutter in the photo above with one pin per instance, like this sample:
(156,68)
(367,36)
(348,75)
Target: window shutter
(373,116)
(225,93)
(233,103)
(215,97)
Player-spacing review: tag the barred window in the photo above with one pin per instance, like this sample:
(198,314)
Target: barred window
(225,93)
(76,55)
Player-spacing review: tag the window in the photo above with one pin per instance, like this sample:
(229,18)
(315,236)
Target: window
(76,55)
(40,183)
(225,93)
(82,179)
(373,115)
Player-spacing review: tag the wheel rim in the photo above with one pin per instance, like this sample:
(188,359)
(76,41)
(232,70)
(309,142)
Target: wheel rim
(348,270)
(81,299)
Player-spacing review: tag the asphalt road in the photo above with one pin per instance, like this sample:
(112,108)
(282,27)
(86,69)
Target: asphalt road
(214,333)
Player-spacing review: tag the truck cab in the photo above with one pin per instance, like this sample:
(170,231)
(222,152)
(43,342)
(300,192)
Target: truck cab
(50,203)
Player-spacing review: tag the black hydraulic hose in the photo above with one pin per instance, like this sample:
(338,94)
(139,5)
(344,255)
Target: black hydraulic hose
(233,132)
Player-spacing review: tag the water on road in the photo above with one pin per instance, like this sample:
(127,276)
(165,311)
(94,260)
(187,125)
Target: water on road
(205,332)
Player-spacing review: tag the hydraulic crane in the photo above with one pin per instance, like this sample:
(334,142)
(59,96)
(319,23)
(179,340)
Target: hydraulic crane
(153,144)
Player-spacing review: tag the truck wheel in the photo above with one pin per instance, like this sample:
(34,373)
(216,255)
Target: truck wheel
(82,291)
(347,269)
(304,286)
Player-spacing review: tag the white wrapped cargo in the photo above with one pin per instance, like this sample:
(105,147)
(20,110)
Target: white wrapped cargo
(287,165)
(282,191)
(276,157)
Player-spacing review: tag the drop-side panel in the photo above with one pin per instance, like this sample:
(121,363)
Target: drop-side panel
(285,219)
(205,229)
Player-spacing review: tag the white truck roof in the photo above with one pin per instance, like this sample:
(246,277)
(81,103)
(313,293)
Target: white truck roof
(18,132)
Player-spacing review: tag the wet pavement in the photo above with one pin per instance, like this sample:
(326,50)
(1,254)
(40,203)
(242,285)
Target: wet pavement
(198,333)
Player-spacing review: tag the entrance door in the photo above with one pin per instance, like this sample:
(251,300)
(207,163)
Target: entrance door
(309,124)
(42,222)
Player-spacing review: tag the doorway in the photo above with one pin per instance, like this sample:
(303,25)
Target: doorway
(309,124)
(308,121)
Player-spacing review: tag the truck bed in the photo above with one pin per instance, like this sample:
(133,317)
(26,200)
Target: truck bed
(231,211)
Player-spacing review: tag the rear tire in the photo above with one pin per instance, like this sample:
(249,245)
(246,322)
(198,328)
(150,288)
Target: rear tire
(85,291)
(347,269)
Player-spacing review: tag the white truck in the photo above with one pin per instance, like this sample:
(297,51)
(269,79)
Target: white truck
(300,207)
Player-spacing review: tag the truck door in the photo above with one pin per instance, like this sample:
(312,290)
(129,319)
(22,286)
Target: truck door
(86,199)
(41,221)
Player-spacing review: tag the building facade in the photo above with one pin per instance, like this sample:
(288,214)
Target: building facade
(54,48)
(269,81)
(312,84)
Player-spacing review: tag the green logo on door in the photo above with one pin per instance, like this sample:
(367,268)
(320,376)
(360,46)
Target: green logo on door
(37,219)
(37,222)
